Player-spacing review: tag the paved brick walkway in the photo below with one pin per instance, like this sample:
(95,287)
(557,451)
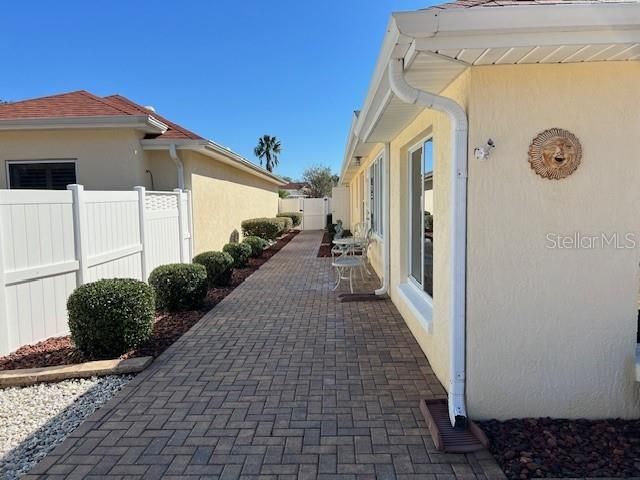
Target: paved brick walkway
(280,380)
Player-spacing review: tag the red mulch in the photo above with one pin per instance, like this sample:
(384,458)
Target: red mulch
(168,327)
(545,447)
(325,245)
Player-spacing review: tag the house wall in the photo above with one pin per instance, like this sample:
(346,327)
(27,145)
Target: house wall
(107,159)
(552,332)
(434,343)
(163,169)
(223,196)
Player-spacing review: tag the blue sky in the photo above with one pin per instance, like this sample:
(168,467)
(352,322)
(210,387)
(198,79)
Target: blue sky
(229,70)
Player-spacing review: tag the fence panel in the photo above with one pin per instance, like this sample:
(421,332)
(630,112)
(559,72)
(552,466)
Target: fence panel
(112,235)
(314,211)
(53,241)
(38,262)
(162,232)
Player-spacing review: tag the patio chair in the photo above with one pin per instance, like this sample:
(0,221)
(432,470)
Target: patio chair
(361,249)
(347,261)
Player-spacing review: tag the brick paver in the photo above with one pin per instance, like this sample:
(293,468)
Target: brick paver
(280,380)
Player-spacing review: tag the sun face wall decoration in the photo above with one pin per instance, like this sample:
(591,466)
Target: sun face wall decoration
(555,153)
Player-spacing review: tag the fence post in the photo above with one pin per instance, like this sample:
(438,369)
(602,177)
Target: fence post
(143,239)
(181,213)
(190,224)
(77,193)
(5,333)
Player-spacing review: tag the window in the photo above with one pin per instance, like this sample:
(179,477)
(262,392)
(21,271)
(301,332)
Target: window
(45,174)
(421,215)
(376,172)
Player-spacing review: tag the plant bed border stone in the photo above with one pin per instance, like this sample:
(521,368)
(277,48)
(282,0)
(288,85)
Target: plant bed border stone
(167,328)
(29,376)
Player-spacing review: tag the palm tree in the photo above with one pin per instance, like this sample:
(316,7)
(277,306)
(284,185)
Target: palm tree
(268,148)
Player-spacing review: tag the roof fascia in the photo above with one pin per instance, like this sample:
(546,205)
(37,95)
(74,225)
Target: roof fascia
(145,123)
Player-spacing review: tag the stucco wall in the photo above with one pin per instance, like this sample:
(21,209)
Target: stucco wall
(163,169)
(435,344)
(429,122)
(223,196)
(553,331)
(356,205)
(107,159)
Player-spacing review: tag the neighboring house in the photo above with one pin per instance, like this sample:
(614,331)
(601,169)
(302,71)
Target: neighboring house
(296,189)
(112,143)
(519,321)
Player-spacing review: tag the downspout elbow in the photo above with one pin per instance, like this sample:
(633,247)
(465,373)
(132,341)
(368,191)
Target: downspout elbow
(173,153)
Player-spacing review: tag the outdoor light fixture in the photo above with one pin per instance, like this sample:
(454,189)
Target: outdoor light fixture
(482,153)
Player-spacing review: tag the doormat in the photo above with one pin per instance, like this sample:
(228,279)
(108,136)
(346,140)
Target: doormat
(445,437)
(361,297)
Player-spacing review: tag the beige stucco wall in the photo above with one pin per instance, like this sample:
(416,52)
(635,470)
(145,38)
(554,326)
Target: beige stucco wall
(429,122)
(553,332)
(106,158)
(223,196)
(360,200)
(435,344)
(163,169)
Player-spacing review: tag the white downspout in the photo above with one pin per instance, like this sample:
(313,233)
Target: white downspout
(179,165)
(386,238)
(458,118)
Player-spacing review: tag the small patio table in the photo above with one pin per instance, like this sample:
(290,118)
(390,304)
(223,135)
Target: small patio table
(349,242)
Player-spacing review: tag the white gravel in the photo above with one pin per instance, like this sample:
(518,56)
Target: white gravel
(33,420)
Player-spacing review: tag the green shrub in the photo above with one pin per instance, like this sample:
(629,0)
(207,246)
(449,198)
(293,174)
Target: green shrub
(267,228)
(109,317)
(219,266)
(284,224)
(296,217)
(179,286)
(240,253)
(257,245)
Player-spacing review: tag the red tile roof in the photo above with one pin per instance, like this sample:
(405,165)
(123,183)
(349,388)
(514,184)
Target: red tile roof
(505,3)
(84,104)
(175,131)
(72,104)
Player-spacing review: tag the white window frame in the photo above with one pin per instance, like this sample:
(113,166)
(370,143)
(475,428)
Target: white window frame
(412,281)
(376,182)
(8,163)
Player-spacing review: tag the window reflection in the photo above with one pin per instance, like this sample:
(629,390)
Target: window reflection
(421,215)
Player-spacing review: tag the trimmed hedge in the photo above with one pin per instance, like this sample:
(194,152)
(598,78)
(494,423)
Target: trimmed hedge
(219,266)
(240,253)
(296,217)
(257,245)
(285,224)
(111,316)
(267,228)
(179,286)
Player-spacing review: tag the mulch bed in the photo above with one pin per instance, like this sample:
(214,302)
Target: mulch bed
(325,245)
(168,327)
(545,447)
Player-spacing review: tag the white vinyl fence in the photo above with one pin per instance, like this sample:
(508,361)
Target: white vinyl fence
(51,241)
(314,211)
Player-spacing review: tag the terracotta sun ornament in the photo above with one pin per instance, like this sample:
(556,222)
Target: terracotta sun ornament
(555,153)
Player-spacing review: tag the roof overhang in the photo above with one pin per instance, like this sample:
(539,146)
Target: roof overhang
(438,45)
(217,152)
(145,123)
